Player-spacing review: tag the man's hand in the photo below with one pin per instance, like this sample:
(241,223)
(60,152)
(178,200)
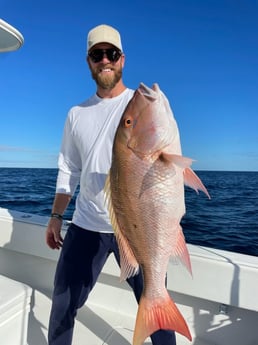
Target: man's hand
(53,234)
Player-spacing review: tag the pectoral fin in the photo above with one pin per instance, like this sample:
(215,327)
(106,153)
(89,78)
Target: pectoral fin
(190,178)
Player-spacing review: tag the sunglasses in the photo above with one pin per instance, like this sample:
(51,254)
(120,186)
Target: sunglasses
(112,54)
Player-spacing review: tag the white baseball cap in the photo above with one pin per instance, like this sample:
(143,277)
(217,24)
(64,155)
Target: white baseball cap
(104,34)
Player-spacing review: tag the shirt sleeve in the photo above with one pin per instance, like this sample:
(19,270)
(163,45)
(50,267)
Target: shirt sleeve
(69,161)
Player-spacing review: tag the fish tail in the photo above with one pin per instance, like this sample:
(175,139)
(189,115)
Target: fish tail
(160,314)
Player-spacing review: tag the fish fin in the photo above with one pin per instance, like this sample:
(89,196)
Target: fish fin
(108,201)
(150,93)
(155,315)
(181,251)
(181,161)
(128,262)
(107,191)
(193,181)
(190,178)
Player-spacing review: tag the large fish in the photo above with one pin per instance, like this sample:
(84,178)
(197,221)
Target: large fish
(145,192)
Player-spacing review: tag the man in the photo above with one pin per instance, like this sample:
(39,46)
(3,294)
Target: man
(85,158)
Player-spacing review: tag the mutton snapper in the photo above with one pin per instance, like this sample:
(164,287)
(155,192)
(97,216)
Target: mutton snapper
(145,193)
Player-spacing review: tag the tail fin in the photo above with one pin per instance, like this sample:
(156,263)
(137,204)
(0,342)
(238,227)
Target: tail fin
(162,314)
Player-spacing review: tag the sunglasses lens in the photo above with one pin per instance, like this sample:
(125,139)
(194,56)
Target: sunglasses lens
(112,54)
(96,55)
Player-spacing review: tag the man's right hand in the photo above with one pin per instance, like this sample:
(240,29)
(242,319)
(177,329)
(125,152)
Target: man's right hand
(53,234)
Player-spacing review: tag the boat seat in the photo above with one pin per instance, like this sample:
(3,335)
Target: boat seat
(14,311)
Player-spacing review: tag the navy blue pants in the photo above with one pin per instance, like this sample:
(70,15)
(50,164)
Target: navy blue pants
(82,258)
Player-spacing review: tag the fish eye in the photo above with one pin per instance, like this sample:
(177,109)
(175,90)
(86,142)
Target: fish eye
(128,121)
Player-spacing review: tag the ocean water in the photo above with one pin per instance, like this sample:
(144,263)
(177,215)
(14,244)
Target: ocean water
(228,221)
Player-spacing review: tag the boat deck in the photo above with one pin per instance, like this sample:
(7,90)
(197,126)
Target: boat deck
(94,325)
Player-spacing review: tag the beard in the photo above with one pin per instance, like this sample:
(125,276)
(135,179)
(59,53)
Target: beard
(107,81)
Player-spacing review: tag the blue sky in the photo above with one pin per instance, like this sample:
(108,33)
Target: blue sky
(202,53)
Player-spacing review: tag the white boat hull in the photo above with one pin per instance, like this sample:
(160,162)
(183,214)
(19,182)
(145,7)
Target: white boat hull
(219,303)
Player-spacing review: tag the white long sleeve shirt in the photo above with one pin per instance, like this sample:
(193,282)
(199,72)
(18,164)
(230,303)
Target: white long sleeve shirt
(85,157)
